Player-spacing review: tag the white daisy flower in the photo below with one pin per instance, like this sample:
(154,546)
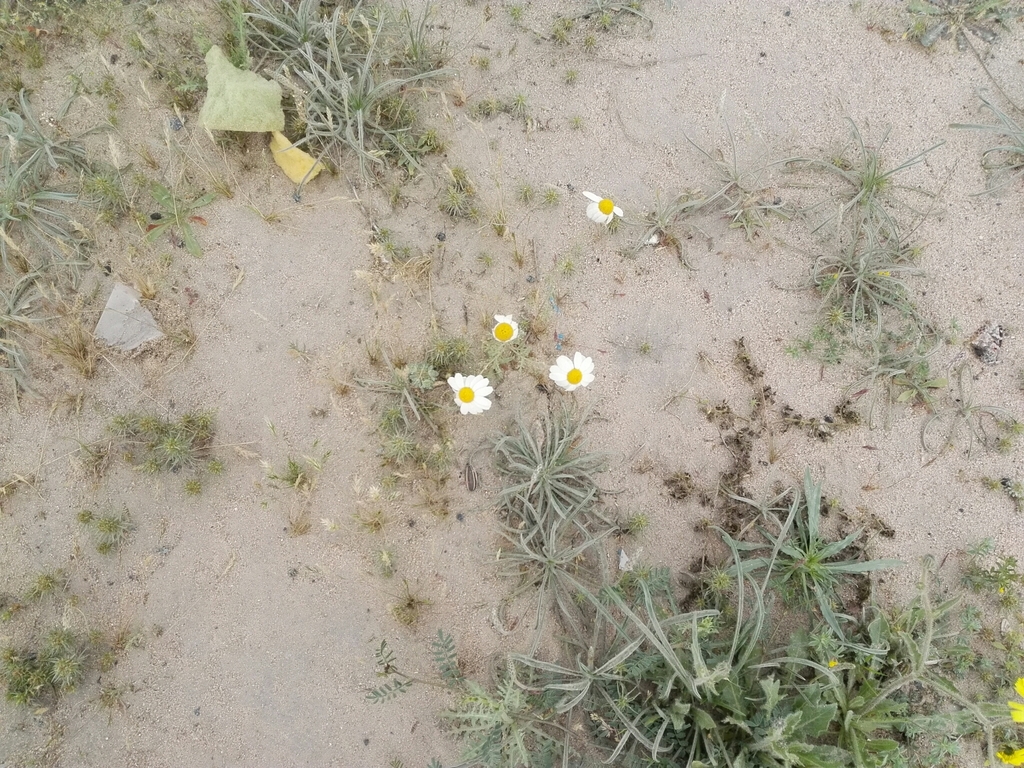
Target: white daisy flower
(570,374)
(601,209)
(471,393)
(506,329)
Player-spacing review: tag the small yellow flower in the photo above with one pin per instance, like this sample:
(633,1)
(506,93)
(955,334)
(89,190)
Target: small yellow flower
(1002,590)
(506,329)
(832,663)
(1013,758)
(884,273)
(601,209)
(1016,708)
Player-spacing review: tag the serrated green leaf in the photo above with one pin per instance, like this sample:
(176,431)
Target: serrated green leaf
(817,719)
(770,686)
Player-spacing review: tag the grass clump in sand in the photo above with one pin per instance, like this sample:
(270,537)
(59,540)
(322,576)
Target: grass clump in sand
(109,531)
(45,669)
(352,74)
(165,445)
(1006,159)
(867,199)
(935,20)
(156,444)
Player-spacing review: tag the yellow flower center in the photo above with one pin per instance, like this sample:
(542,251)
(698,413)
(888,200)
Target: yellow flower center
(606,206)
(503,331)
(575,376)
(466,394)
(833,663)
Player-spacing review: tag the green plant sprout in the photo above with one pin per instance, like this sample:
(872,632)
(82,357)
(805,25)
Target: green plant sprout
(176,216)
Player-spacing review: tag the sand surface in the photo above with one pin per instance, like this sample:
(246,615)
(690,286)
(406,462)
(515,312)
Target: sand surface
(255,646)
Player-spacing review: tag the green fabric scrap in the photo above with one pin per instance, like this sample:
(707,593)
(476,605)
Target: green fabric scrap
(237,100)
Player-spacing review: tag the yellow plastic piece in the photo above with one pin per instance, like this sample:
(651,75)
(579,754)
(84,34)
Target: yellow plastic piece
(296,164)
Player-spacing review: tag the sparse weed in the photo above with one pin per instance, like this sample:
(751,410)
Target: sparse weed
(660,223)
(104,189)
(371,521)
(409,606)
(53,666)
(459,199)
(351,75)
(935,20)
(447,354)
(159,444)
(299,474)
(864,277)
(743,195)
(109,531)
(1006,159)
(636,524)
(870,187)
(446,660)
(409,387)
(500,357)
(16,320)
(384,559)
(898,372)
(805,564)
(47,583)
(993,574)
(988,425)
(34,215)
(549,515)
(176,216)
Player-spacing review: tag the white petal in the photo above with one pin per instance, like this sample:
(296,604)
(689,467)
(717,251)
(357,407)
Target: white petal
(564,363)
(485,404)
(594,214)
(483,392)
(587,379)
(592,196)
(586,365)
(504,319)
(558,376)
(457,382)
(577,360)
(617,211)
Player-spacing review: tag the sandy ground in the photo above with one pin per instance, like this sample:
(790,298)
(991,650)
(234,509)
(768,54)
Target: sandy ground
(256,647)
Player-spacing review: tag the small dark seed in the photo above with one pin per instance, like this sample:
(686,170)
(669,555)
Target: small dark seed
(472,477)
